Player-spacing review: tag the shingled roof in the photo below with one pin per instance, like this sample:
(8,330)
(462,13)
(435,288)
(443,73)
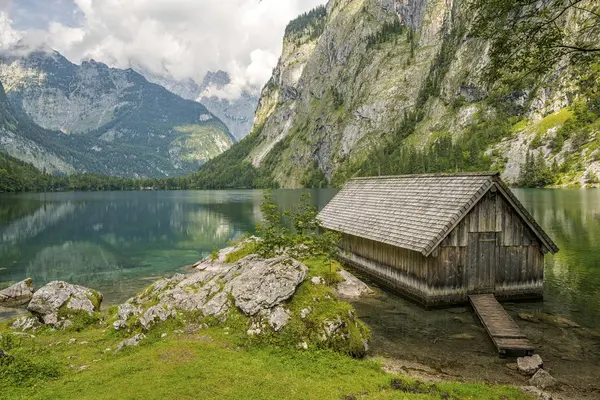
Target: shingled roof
(415,212)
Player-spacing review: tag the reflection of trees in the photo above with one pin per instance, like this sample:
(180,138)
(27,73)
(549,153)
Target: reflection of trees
(40,219)
(76,262)
(572,218)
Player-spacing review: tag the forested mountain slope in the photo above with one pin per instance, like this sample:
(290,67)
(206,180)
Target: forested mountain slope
(116,121)
(368,87)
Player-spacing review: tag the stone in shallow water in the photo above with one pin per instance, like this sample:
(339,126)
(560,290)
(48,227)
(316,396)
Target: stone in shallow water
(351,287)
(529,317)
(529,365)
(462,336)
(543,380)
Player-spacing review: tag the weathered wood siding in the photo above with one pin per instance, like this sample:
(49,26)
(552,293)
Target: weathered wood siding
(519,268)
(397,268)
(443,278)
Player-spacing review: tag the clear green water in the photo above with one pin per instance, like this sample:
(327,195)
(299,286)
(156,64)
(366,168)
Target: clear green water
(118,242)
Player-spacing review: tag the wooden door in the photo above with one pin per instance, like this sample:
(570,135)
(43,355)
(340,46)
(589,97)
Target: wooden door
(482,261)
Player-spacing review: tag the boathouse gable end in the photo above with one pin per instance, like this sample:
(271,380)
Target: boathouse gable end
(438,238)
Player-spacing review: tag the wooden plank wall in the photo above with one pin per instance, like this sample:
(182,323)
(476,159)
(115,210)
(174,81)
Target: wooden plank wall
(520,267)
(398,268)
(442,277)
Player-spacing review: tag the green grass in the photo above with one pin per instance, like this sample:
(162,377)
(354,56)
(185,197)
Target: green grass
(246,250)
(219,361)
(208,364)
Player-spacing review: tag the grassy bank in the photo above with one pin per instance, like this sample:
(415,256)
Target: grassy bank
(205,364)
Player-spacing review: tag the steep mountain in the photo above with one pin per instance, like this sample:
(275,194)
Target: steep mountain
(368,87)
(28,142)
(236,113)
(118,122)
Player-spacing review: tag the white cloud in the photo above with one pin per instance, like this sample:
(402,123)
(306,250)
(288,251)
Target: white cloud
(8,36)
(181,38)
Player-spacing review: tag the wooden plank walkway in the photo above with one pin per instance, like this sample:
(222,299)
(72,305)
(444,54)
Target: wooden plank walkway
(503,330)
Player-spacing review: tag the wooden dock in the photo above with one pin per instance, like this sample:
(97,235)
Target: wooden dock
(503,330)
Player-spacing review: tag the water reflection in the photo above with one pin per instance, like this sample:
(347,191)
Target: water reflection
(118,242)
(572,276)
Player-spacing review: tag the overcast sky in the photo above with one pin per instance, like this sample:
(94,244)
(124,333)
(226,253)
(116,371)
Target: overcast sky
(180,38)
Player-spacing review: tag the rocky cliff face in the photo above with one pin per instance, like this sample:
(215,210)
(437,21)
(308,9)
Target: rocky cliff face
(379,66)
(115,121)
(19,140)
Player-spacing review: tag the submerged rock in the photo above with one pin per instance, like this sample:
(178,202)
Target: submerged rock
(351,287)
(17,294)
(529,317)
(543,380)
(58,295)
(529,365)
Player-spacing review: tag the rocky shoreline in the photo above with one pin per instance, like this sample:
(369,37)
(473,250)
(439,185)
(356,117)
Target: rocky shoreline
(259,291)
(278,301)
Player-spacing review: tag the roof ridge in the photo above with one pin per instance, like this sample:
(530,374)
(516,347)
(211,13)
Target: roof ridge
(443,174)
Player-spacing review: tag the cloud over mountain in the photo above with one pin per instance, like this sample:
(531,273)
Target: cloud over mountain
(180,39)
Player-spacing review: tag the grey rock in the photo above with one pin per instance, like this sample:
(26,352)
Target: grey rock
(155,314)
(317,280)
(50,319)
(351,287)
(537,393)
(72,341)
(543,380)
(279,318)
(25,324)
(304,312)
(124,312)
(127,310)
(264,284)
(64,324)
(529,365)
(17,294)
(134,341)
(217,306)
(119,324)
(47,301)
(330,327)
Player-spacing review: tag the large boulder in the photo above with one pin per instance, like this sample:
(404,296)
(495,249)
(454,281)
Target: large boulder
(254,284)
(263,284)
(351,287)
(59,296)
(17,295)
(529,365)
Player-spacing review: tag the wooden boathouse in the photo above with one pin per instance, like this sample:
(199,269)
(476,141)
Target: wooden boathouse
(439,238)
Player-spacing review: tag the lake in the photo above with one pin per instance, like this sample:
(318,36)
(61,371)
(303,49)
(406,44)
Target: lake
(120,242)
